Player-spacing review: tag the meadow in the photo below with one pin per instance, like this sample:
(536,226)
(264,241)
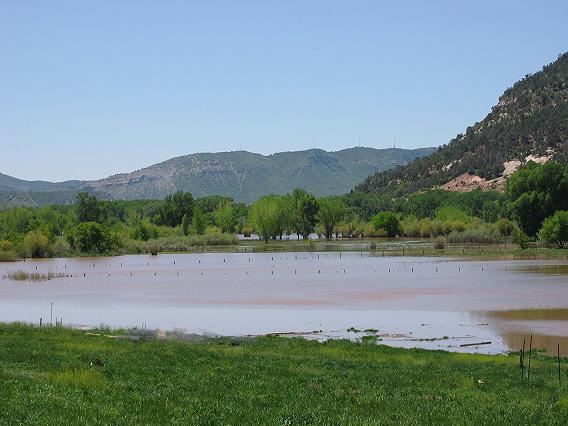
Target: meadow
(62,376)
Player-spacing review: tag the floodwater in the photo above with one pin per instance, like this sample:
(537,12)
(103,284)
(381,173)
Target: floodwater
(434,303)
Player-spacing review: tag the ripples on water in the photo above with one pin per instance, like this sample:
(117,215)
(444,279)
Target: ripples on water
(412,302)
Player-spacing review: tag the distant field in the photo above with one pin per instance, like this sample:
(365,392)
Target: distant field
(61,376)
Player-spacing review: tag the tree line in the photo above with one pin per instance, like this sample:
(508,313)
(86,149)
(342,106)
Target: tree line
(533,206)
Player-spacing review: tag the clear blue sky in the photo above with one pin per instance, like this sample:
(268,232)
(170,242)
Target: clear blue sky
(92,88)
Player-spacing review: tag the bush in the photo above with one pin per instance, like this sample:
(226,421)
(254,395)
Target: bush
(35,244)
(505,227)
(180,243)
(389,222)
(520,238)
(144,232)
(247,230)
(555,229)
(92,238)
(8,255)
(481,235)
(440,244)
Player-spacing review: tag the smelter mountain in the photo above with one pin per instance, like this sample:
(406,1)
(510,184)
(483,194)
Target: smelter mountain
(530,122)
(242,175)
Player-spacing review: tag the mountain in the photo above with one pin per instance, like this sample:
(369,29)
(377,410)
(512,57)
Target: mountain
(242,175)
(18,192)
(529,122)
(246,176)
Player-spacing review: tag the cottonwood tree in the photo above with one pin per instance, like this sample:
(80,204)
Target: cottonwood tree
(555,229)
(331,212)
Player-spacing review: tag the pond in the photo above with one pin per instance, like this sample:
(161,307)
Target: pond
(435,303)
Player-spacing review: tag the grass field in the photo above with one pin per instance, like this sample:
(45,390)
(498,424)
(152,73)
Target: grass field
(62,376)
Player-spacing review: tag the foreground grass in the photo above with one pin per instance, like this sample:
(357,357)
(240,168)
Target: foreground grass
(46,377)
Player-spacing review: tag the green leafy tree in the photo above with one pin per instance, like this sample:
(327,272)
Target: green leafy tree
(198,222)
(305,208)
(520,238)
(225,217)
(185,225)
(89,208)
(555,229)
(144,231)
(36,244)
(331,212)
(285,217)
(174,207)
(264,216)
(389,222)
(92,238)
(536,192)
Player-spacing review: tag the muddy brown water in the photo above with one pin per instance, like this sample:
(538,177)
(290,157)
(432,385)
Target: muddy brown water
(434,303)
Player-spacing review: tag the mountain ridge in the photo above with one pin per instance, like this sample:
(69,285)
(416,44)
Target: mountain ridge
(242,175)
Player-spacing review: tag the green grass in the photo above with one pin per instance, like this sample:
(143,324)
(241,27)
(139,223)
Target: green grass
(46,377)
(21,275)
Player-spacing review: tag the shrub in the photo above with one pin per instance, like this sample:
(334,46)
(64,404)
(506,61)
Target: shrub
(179,243)
(520,238)
(144,231)
(247,230)
(505,227)
(8,255)
(35,244)
(481,235)
(92,238)
(389,222)
(555,229)
(439,244)
(198,221)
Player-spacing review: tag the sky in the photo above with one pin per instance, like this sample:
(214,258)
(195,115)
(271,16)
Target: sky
(93,88)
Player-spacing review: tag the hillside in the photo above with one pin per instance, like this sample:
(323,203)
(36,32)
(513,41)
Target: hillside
(529,122)
(241,175)
(246,176)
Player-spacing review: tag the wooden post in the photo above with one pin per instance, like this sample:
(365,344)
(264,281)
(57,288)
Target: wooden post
(530,353)
(558,354)
(523,360)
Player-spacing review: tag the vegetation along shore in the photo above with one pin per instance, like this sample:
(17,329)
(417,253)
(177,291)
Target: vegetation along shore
(450,222)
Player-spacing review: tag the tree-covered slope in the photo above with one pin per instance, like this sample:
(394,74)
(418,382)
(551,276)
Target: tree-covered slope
(246,176)
(530,120)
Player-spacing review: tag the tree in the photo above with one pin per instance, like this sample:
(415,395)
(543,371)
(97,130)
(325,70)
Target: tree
(89,208)
(285,216)
(520,238)
(536,192)
(264,217)
(389,222)
(174,207)
(36,244)
(555,229)
(225,217)
(185,225)
(144,231)
(198,221)
(331,212)
(304,210)
(93,238)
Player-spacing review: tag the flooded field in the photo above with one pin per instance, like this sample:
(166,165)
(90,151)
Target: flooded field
(435,303)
